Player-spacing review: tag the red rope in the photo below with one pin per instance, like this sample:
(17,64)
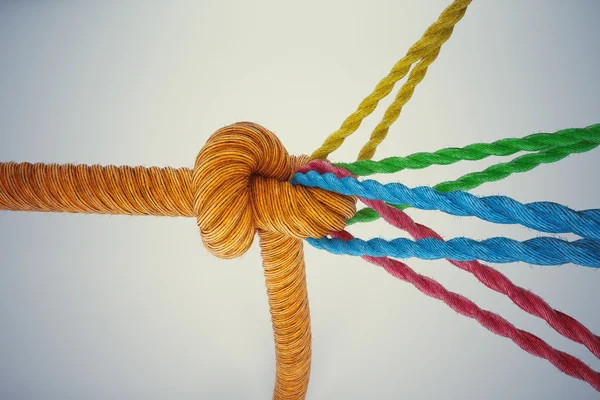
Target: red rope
(528,301)
(495,280)
(532,344)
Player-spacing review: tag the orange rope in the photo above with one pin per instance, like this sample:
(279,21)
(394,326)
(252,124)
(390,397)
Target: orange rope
(239,185)
(95,189)
(283,262)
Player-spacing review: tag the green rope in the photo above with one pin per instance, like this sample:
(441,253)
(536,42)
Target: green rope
(477,151)
(493,173)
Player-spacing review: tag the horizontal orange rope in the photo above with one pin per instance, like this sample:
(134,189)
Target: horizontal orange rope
(95,189)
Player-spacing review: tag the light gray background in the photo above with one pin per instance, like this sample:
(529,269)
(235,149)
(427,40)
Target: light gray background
(99,307)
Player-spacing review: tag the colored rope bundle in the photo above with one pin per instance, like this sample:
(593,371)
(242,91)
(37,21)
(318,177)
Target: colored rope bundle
(493,279)
(569,141)
(244,182)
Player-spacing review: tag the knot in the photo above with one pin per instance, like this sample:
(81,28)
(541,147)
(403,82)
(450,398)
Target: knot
(241,184)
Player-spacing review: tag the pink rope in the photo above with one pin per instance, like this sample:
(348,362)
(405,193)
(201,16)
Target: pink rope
(528,301)
(532,344)
(493,279)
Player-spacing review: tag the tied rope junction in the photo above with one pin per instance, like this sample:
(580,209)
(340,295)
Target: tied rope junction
(240,185)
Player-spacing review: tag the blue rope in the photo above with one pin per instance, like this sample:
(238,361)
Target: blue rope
(537,251)
(542,216)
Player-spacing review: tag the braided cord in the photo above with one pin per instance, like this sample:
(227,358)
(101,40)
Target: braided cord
(573,140)
(424,49)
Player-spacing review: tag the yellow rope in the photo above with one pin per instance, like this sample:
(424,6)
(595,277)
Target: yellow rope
(393,111)
(424,50)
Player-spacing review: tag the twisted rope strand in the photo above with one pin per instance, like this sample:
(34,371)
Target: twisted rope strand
(393,111)
(520,164)
(431,41)
(495,280)
(545,251)
(493,173)
(571,140)
(542,216)
(95,189)
(492,278)
(532,344)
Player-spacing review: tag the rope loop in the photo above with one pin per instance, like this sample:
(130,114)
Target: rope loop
(240,184)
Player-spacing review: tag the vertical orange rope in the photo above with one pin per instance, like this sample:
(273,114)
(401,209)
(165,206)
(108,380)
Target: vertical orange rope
(285,276)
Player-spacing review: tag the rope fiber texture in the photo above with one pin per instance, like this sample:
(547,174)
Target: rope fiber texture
(238,186)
